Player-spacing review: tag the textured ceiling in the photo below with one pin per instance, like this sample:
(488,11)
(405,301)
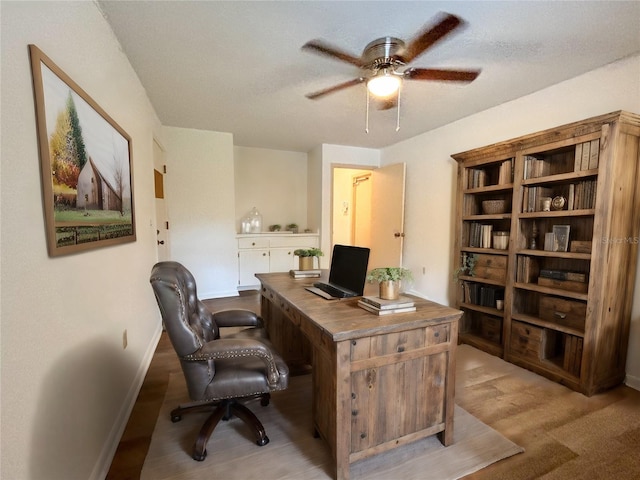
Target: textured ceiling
(237,66)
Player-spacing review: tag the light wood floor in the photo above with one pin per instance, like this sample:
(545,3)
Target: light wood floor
(565,434)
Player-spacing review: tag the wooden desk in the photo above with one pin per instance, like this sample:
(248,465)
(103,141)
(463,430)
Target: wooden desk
(379,382)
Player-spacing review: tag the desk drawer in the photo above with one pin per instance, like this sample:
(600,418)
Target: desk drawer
(390,343)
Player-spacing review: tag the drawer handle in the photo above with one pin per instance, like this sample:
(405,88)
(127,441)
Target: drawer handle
(560,315)
(253,244)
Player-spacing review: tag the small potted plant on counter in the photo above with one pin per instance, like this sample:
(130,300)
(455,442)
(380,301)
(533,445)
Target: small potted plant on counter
(389,279)
(306,256)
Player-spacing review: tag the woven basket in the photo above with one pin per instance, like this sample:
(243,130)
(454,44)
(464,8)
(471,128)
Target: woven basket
(493,207)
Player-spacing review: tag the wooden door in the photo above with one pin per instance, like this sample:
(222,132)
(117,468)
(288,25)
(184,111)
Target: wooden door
(387,216)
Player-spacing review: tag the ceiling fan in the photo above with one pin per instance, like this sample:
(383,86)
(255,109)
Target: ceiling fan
(383,58)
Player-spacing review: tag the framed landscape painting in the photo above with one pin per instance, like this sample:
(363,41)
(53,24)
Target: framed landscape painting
(85,158)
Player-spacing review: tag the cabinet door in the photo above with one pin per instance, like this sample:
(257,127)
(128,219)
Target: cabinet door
(281,259)
(251,262)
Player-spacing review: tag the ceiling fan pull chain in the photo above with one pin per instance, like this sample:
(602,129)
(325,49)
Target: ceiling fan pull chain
(366,121)
(398,117)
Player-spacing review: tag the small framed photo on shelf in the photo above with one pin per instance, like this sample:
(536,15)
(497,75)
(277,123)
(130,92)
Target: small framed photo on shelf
(561,238)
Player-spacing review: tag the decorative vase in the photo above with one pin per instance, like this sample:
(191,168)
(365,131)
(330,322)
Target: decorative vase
(390,290)
(306,263)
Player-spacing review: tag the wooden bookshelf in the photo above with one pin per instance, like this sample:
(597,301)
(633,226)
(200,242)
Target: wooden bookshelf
(567,298)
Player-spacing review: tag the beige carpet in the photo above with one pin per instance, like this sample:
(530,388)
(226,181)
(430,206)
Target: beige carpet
(294,454)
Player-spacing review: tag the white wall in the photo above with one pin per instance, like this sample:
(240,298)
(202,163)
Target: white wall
(67,383)
(273,181)
(431,173)
(201,207)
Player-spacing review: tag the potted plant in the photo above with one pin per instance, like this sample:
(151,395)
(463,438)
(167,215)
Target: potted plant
(275,228)
(306,256)
(293,227)
(389,279)
(467,266)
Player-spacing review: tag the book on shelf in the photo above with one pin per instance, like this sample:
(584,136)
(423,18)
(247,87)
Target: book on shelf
(587,155)
(482,295)
(384,304)
(388,311)
(595,154)
(526,269)
(536,167)
(563,275)
(505,172)
(477,178)
(305,273)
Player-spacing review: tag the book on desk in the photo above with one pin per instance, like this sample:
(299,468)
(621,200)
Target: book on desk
(381,306)
(305,273)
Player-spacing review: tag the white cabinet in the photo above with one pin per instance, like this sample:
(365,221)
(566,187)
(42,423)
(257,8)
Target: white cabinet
(265,253)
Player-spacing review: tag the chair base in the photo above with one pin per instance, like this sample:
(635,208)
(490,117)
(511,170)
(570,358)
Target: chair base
(223,410)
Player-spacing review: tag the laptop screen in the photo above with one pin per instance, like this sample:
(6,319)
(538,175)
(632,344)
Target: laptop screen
(349,267)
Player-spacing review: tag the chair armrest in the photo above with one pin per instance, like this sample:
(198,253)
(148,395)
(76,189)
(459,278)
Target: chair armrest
(238,347)
(237,318)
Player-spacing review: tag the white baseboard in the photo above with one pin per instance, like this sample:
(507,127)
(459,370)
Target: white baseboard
(217,294)
(111,444)
(632,381)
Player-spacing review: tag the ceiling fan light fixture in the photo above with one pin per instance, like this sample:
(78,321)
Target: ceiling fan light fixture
(384,84)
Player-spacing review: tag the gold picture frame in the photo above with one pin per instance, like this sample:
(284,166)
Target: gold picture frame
(86,166)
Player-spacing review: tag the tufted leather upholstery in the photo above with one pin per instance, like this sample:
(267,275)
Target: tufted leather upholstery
(238,366)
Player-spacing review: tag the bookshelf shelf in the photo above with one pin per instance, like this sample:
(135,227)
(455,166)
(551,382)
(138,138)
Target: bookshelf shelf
(493,251)
(551,291)
(489,189)
(587,212)
(545,253)
(561,177)
(566,300)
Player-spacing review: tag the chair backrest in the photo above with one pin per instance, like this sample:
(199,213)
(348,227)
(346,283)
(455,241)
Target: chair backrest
(187,321)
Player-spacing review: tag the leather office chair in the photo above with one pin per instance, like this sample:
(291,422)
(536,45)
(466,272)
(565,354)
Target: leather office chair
(220,372)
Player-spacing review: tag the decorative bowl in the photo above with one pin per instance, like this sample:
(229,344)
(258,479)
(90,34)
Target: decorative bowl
(492,207)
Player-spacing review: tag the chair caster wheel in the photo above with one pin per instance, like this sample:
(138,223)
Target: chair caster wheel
(263,441)
(199,457)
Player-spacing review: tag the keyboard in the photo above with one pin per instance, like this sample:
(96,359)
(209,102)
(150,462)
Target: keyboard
(333,291)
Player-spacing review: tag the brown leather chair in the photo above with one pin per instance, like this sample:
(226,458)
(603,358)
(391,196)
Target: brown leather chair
(221,373)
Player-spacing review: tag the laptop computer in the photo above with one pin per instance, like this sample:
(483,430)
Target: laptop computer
(347,275)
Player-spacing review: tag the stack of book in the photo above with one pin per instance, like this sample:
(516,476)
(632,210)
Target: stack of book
(386,307)
(304,273)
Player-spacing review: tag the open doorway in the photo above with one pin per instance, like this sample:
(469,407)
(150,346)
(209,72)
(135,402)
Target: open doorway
(351,212)
(162,220)
(368,211)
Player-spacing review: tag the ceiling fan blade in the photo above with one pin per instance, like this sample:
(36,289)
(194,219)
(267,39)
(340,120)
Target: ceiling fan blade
(429,36)
(318,46)
(442,75)
(335,88)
